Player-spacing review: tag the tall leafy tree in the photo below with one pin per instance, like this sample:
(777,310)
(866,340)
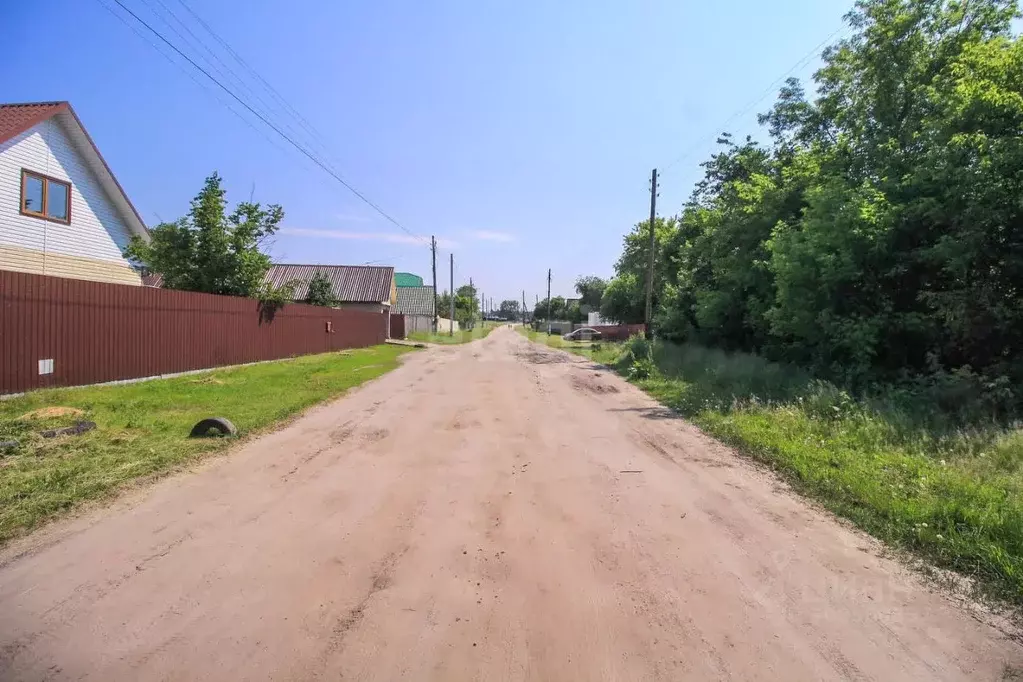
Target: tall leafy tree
(878,233)
(590,289)
(509,309)
(466,305)
(211,250)
(556,310)
(624,297)
(623,300)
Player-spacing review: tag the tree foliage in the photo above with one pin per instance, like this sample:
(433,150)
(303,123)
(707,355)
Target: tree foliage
(555,310)
(210,250)
(509,309)
(877,233)
(624,297)
(591,291)
(467,306)
(321,291)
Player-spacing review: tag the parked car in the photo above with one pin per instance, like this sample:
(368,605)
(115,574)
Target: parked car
(583,334)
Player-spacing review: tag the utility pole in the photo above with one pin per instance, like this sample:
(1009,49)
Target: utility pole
(523,307)
(650,256)
(451,322)
(472,310)
(548,301)
(433,248)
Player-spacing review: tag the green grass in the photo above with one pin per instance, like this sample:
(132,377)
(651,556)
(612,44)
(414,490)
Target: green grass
(895,465)
(463,336)
(142,428)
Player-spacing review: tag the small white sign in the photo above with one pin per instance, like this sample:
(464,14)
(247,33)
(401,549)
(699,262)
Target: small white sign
(46,366)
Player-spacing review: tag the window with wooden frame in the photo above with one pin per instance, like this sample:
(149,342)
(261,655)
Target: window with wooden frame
(45,197)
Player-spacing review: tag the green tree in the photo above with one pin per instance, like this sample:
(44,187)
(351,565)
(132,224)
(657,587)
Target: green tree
(624,300)
(591,290)
(637,247)
(879,233)
(466,306)
(624,297)
(555,311)
(210,250)
(321,291)
(509,309)
(573,312)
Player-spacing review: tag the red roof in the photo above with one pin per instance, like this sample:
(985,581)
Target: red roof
(17,118)
(152,279)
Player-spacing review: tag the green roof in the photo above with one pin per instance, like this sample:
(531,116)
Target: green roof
(407,279)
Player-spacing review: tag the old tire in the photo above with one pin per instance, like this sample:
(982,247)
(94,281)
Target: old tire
(218,425)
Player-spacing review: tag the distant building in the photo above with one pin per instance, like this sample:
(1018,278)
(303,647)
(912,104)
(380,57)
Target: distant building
(416,304)
(357,287)
(407,279)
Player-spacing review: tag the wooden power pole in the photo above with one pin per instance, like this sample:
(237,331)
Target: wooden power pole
(548,301)
(650,256)
(451,322)
(523,307)
(433,248)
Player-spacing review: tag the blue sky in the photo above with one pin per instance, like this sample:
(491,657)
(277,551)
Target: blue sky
(521,134)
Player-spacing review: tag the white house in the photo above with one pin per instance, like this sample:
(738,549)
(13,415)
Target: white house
(62,211)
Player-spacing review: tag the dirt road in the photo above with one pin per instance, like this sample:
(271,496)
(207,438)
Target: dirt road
(497,511)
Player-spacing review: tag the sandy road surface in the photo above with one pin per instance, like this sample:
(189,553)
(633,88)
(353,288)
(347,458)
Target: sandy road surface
(469,517)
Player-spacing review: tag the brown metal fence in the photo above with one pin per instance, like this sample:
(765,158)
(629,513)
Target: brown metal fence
(620,332)
(397,326)
(66,332)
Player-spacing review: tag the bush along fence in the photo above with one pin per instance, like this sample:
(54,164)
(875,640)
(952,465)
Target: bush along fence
(66,332)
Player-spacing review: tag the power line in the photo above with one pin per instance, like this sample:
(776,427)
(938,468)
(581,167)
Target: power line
(273,91)
(191,77)
(200,46)
(271,125)
(805,59)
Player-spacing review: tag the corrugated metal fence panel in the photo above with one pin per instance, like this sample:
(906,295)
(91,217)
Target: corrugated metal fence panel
(95,332)
(620,332)
(397,326)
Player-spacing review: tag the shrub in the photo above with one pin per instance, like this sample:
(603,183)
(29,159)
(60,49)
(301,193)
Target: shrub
(639,347)
(642,369)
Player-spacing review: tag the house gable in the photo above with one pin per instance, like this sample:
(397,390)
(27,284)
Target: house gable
(101,217)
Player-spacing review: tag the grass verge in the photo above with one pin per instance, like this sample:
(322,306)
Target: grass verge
(463,336)
(897,468)
(142,429)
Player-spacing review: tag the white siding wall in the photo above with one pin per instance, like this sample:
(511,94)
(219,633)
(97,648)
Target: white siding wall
(96,230)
